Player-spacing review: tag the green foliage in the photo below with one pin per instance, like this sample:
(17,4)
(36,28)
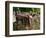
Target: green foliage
(23,9)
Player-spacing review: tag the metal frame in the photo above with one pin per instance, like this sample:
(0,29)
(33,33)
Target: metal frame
(7,18)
